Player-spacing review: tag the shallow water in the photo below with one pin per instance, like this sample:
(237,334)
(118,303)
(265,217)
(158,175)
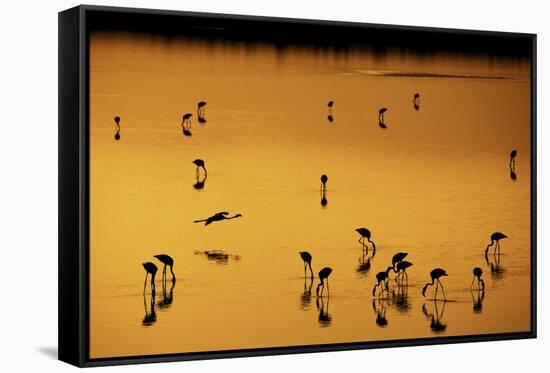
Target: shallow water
(436,183)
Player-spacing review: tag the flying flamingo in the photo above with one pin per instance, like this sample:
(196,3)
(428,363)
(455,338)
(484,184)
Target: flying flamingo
(365,233)
(306,257)
(152,269)
(477,274)
(495,240)
(167,261)
(382,281)
(218,217)
(435,275)
(200,164)
(323,276)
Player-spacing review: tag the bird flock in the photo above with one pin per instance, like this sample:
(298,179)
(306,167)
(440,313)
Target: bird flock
(398,265)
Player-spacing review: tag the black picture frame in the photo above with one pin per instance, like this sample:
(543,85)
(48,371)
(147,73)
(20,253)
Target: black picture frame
(74,27)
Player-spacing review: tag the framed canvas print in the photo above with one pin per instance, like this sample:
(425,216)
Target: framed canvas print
(237,186)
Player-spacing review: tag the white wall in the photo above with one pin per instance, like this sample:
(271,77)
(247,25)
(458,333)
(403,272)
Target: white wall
(28,181)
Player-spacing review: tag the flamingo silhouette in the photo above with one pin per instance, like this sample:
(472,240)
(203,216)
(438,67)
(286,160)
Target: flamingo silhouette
(324,179)
(382,281)
(306,257)
(186,124)
(416,101)
(365,233)
(150,268)
(218,217)
(330,105)
(495,240)
(435,274)
(381,117)
(323,276)
(117,134)
(200,164)
(402,270)
(201,111)
(167,261)
(477,274)
(398,258)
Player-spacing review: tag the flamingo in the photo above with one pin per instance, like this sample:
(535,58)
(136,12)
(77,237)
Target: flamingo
(382,281)
(323,276)
(365,233)
(117,134)
(218,217)
(402,270)
(495,240)
(416,101)
(306,257)
(435,274)
(477,274)
(150,268)
(186,124)
(324,179)
(398,258)
(381,118)
(167,261)
(200,108)
(200,164)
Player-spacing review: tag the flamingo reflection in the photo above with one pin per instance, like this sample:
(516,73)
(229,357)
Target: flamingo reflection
(305,297)
(325,318)
(167,297)
(477,300)
(379,307)
(150,315)
(435,318)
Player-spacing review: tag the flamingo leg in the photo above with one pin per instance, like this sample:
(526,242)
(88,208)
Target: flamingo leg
(472,285)
(436,289)
(145,283)
(443,290)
